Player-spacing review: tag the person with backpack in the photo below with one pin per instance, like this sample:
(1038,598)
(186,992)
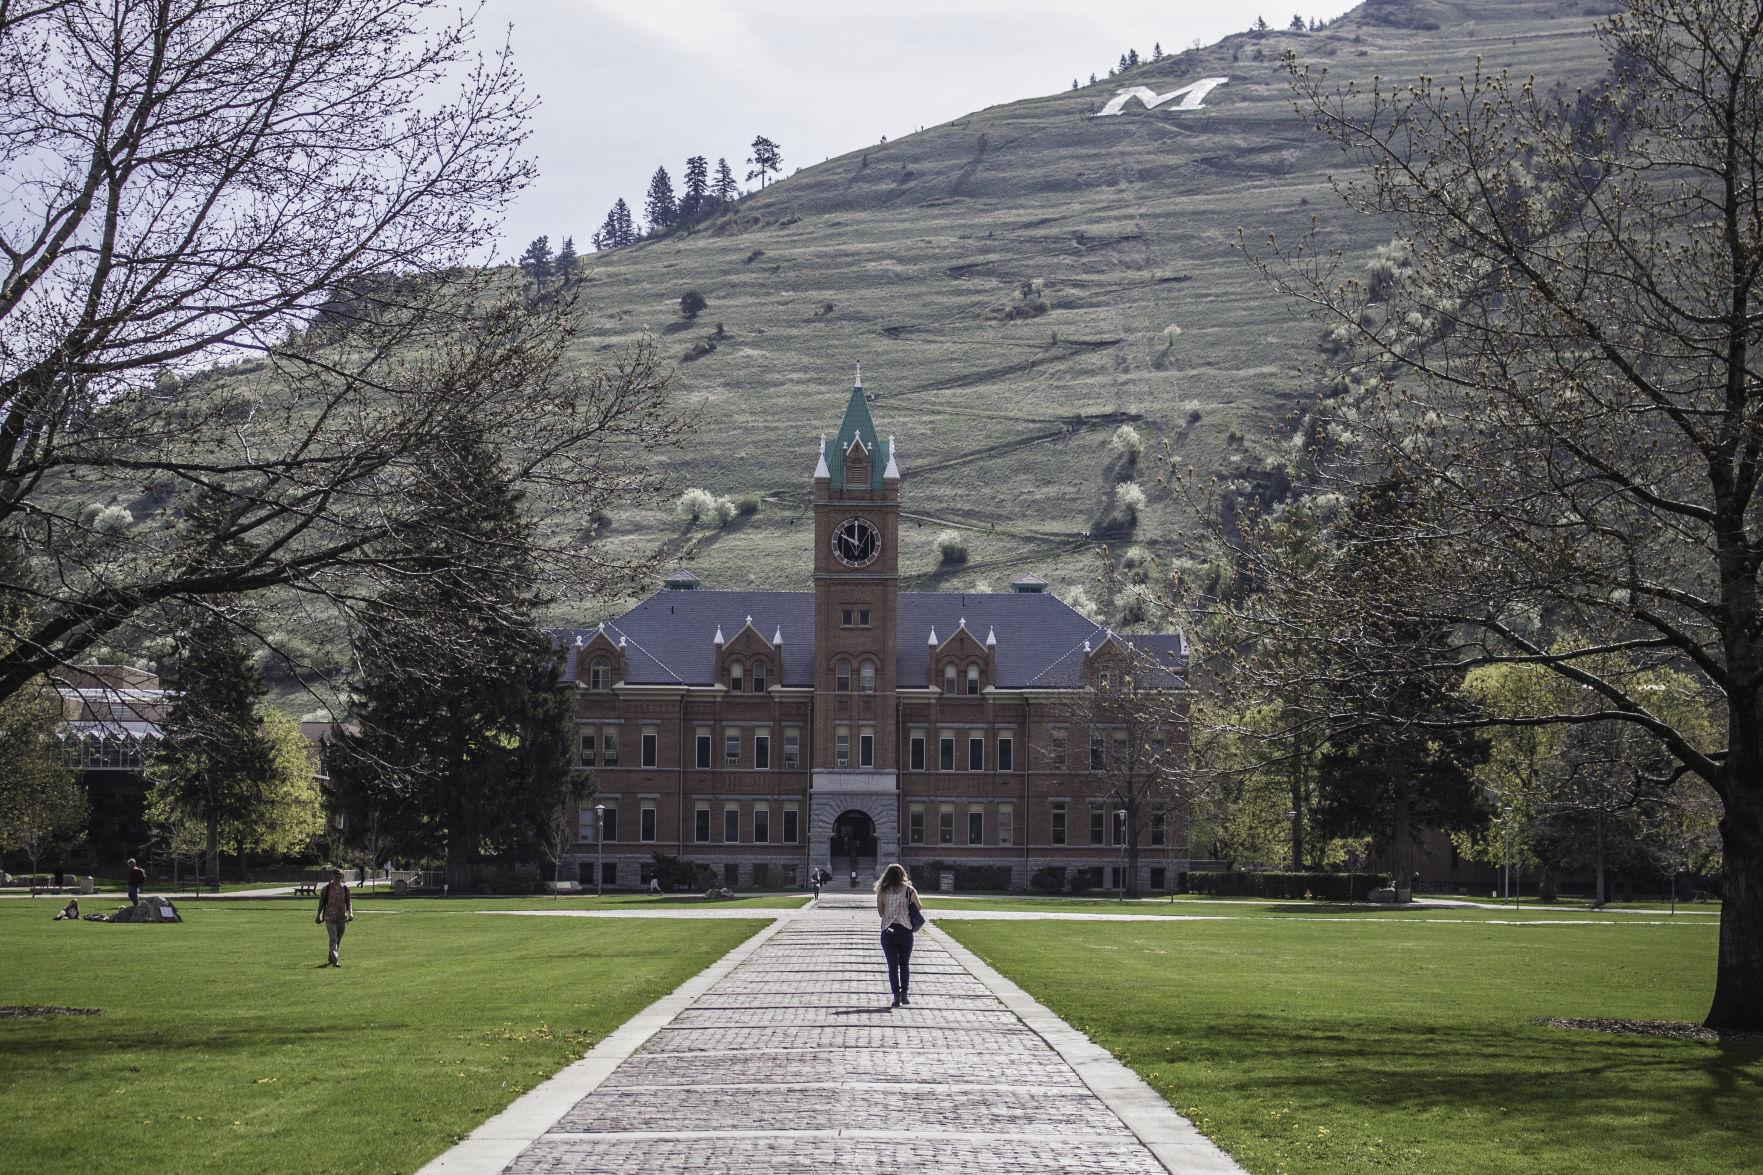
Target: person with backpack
(137,878)
(897,903)
(335,910)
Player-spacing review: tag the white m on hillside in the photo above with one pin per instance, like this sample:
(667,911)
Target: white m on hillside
(1191,96)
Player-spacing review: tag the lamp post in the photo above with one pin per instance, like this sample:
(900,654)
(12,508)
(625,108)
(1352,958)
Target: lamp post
(599,850)
(1297,855)
(1120,825)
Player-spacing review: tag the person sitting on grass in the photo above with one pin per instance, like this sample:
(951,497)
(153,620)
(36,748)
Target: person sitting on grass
(69,912)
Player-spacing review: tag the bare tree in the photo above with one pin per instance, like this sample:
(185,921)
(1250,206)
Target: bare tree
(281,191)
(1564,379)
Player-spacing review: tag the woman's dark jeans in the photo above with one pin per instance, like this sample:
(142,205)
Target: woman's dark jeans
(896,943)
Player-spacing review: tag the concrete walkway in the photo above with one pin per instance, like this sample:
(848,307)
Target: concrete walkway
(784,1056)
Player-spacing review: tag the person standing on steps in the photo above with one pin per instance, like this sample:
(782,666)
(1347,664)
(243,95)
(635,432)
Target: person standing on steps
(335,911)
(897,903)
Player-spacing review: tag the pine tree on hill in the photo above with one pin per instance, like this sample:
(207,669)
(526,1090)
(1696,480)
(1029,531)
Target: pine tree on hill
(726,188)
(767,159)
(536,262)
(1093,79)
(1074,83)
(1120,66)
(606,236)
(1132,57)
(567,263)
(625,226)
(1297,25)
(659,206)
(1260,25)
(1156,50)
(694,197)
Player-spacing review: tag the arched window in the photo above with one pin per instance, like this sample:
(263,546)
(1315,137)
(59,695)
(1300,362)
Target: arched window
(600,674)
(758,677)
(866,677)
(949,678)
(973,679)
(737,675)
(842,676)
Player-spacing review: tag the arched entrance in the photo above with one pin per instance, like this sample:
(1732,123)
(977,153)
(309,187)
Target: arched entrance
(853,845)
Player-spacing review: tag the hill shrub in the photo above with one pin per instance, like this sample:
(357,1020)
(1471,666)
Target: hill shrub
(1129,499)
(1077,598)
(748,505)
(112,520)
(692,304)
(699,505)
(951,547)
(1127,444)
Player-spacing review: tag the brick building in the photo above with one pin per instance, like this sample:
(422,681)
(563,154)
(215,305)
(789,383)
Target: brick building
(762,734)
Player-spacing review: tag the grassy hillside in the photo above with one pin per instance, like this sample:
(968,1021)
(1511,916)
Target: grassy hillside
(928,259)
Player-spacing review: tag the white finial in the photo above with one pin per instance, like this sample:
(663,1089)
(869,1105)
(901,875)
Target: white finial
(602,627)
(777,638)
(1086,647)
(621,642)
(933,636)
(991,637)
(859,382)
(963,623)
(578,640)
(749,620)
(717,639)
(892,473)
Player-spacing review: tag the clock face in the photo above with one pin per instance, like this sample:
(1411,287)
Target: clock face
(856,543)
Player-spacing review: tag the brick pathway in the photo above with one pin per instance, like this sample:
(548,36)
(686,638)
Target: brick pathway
(787,1058)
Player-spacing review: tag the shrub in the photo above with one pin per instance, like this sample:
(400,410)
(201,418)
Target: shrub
(1127,443)
(747,505)
(753,256)
(1048,879)
(951,547)
(694,504)
(699,349)
(1084,880)
(1078,600)
(1329,887)
(112,520)
(724,511)
(692,304)
(674,872)
(979,877)
(1168,335)
(762,876)
(1129,499)
(502,879)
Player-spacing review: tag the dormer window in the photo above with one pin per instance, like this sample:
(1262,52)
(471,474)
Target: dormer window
(736,677)
(949,678)
(973,679)
(758,677)
(842,676)
(866,677)
(600,674)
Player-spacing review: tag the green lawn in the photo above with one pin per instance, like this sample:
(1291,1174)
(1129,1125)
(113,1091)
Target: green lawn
(224,1045)
(1193,907)
(1401,1044)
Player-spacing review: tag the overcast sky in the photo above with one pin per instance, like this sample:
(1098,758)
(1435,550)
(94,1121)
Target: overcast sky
(629,85)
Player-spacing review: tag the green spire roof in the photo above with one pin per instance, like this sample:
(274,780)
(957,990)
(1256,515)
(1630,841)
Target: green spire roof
(857,426)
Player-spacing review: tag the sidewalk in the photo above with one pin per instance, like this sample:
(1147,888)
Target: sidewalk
(785,1057)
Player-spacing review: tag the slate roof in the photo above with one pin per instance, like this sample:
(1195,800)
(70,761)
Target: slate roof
(668,638)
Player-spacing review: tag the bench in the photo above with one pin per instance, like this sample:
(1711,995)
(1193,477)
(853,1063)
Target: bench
(563,886)
(306,889)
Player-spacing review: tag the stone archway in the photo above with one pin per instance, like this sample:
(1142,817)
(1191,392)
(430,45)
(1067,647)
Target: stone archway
(845,820)
(853,847)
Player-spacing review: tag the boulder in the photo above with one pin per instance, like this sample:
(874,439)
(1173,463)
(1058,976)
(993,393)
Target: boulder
(154,909)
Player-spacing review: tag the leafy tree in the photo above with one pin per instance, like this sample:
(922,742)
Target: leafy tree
(464,733)
(1568,378)
(567,263)
(41,806)
(767,159)
(725,189)
(293,807)
(202,185)
(213,762)
(536,262)
(694,201)
(659,205)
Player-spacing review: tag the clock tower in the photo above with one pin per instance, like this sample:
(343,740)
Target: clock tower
(856,610)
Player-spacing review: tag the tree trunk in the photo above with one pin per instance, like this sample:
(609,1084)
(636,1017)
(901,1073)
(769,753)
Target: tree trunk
(458,863)
(1401,849)
(1738,977)
(1297,803)
(211,858)
(1546,885)
(1598,896)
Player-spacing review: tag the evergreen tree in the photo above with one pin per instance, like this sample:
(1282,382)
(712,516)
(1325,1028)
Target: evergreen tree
(1297,25)
(1120,66)
(567,262)
(767,159)
(725,189)
(1074,83)
(536,262)
(694,201)
(1156,50)
(624,225)
(1093,79)
(1260,25)
(463,732)
(1132,57)
(659,206)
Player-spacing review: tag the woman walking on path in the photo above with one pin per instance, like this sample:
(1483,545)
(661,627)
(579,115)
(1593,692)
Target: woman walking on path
(896,901)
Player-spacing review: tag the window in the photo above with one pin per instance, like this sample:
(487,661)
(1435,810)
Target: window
(1102,680)
(842,676)
(701,824)
(791,817)
(792,748)
(1098,826)
(1159,877)
(651,747)
(731,748)
(847,617)
(915,825)
(1115,877)
(761,825)
(915,757)
(584,823)
(976,752)
(736,677)
(1006,823)
(609,748)
(946,826)
(1058,836)
(866,677)
(866,746)
(1159,832)
(703,748)
(1006,752)
(646,823)
(609,873)
(1096,754)
(863,618)
(946,753)
(973,679)
(976,827)
(609,823)
(600,675)
(762,752)
(1056,751)
(731,825)
(948,679)
(842,747)
(588,742)
(758,677)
